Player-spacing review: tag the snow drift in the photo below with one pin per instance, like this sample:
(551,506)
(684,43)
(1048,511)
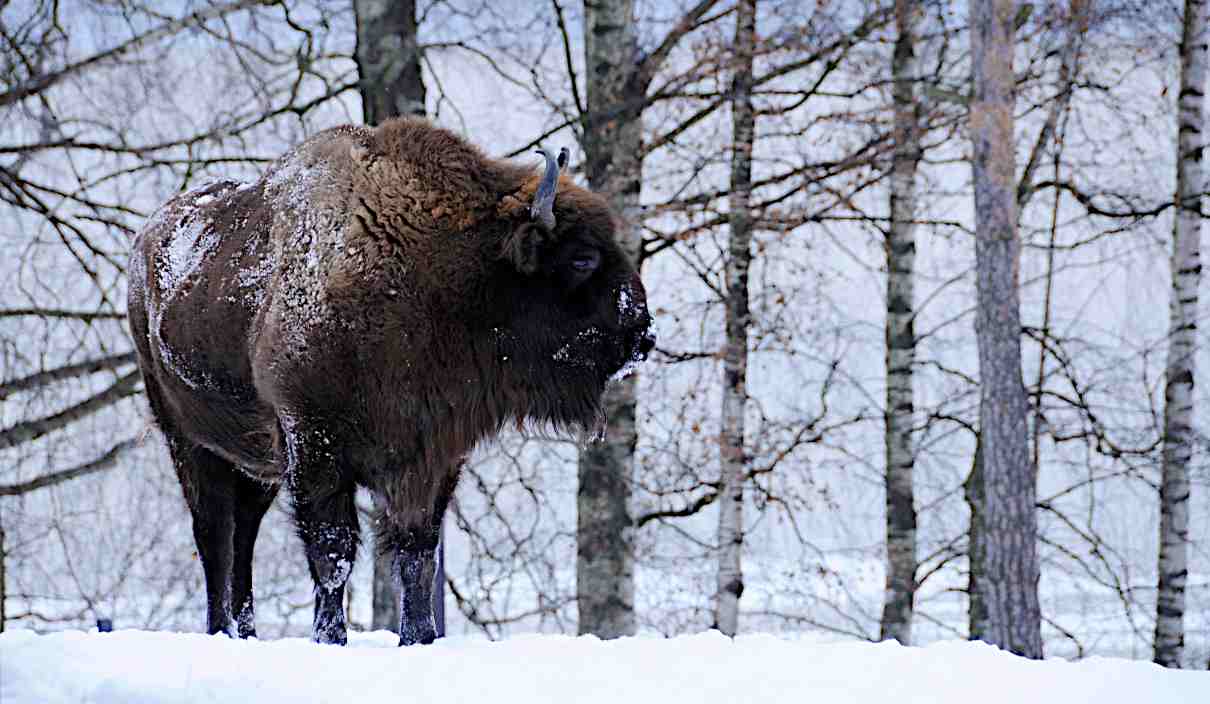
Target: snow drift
(138,666)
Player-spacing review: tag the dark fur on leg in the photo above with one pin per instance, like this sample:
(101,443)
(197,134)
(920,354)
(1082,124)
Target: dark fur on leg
(417,571)
(208,484)
(326,518)
(252,500)
(414,553)
(331,547)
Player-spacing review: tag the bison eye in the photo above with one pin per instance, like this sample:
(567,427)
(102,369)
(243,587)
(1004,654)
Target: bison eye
(586,262)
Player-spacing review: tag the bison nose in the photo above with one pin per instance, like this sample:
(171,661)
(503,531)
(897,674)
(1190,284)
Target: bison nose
(641,342)
(646,345)
(632,304)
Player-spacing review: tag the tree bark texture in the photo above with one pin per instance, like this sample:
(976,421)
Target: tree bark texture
(1182,339)
(388,59)
(732,457)
(391,84)
(897,604)
(3,576)
(1008,582)
(973,489)
(612,146)
(384,595)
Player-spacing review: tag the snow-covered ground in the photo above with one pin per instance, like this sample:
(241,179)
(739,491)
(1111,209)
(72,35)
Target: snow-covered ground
(126,667)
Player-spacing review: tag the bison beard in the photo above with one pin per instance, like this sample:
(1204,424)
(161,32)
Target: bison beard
(376,304)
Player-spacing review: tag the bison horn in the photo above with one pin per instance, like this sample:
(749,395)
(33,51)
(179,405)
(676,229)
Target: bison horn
(543,209)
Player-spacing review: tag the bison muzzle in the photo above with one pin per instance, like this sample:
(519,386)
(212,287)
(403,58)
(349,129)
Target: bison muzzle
(377,303)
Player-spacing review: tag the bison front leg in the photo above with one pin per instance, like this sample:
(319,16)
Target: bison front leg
(326,519)
(414,551)
(417,568)
(410,529)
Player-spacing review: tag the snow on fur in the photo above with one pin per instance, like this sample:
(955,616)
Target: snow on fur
(139,666)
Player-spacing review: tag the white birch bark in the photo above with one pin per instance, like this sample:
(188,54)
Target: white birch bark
(897,605)
(1182,339)
(1008,582)
(732,458)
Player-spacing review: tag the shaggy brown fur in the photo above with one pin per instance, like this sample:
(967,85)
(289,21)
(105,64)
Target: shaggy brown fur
(364,314)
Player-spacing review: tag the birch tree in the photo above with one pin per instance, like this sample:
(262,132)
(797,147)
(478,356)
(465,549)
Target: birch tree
(1008,532)
(732,455)
(901,336)
(1181,368)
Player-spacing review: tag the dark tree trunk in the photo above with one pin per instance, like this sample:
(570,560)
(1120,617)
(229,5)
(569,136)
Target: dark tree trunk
(901,338)
(384,600)
(977,610)
(391,84)
(388,59)
(616,82)
(612,146)
(1008,527)
(3,576)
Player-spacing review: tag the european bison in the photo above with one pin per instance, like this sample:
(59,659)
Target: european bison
(381,300)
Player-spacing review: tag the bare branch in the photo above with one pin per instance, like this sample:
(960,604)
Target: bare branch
(34,429)
(100,464)
(84,315)
(37,84)
(70,371)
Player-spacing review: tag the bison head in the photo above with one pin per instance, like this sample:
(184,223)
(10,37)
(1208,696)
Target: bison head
(573,310)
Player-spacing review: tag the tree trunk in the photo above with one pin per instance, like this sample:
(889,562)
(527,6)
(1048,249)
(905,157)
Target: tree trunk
(973,489)
(901,339)
(3,576)
(391,84)
(612,146)
(732,458)
(1008,582)
(384,597)
(617,77)
(1182,340)
(388,59)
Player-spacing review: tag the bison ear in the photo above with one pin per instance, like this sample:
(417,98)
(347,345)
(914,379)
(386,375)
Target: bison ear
(523,247)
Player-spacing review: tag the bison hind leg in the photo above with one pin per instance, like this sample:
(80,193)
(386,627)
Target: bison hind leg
(209,485)
(252,500)
(325,516)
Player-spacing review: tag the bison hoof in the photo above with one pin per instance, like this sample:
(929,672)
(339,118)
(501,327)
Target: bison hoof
(226,629)
(421,633)
(422,641)
(332,638)
(331,633)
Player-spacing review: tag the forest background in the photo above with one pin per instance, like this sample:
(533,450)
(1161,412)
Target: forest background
(109,107)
